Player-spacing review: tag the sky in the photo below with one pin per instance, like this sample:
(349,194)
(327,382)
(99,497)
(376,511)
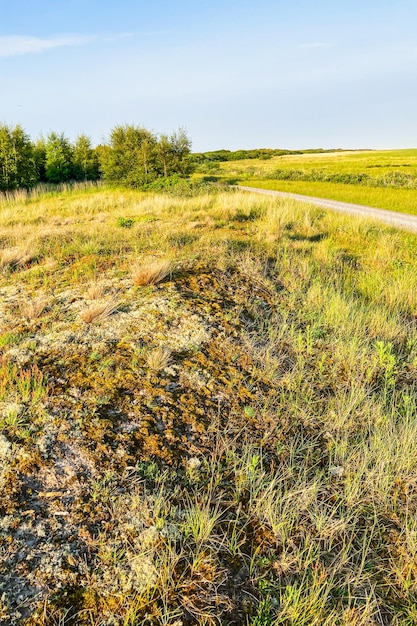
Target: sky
(234,73)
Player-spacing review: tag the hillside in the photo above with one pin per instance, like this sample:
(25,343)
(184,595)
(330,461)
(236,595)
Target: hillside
(207,412)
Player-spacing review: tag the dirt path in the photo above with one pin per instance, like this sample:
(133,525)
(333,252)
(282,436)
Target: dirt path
(399,220)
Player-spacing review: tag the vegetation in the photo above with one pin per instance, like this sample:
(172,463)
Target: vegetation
(17,160)
(85,160)
(383,179)
(133,157)
(207,416)
(392,199)
(355,167)
(136,157)
(258,153)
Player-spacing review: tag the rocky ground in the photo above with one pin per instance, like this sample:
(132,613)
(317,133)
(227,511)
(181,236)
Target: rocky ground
(98,415)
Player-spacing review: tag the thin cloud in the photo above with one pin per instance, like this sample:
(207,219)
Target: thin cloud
(315,44)
(17,45)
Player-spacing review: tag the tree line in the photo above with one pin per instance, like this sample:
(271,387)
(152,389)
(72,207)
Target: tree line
(132,156)
(257,153)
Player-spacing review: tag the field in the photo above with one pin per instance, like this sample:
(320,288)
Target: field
(386,180)
(208,412)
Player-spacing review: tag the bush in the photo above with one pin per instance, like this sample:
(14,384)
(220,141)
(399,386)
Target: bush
(184,187)
(125,222)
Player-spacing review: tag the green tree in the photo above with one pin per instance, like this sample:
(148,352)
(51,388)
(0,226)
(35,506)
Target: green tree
(174,153)
(39,153)
(58,163)
(164,151)
(102,152)
(132,158)
(180,162)
(17,163)
(85,160)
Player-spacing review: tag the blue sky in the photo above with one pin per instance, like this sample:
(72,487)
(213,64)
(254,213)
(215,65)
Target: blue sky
(234,73)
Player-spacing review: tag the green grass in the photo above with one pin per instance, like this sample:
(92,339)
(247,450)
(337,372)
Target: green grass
(383,179)
(235,444)
(374,163)
(399,200)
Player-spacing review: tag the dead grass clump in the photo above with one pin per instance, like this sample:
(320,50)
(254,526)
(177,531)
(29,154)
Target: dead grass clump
(34,309)
(158,358)
(98,311)
(96,291)
(152,273)
(14,257)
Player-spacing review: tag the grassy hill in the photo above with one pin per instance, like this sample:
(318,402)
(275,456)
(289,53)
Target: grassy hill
(207,412)
(382,179)
(372,162)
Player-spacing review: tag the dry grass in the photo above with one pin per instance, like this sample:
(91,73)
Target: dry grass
(98,311)
(96,290)
(158,358)
(152,273)
(14,257)
(34,309)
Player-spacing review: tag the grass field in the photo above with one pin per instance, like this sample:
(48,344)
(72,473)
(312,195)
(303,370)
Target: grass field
(382,179)
(399,200)
(372,162)
(208,413)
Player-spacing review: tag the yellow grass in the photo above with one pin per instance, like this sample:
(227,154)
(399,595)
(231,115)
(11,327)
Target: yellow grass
(98,311)
(34,308)
(13,257)
(150,272)
(158,358)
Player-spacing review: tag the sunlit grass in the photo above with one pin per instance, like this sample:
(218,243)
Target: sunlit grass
(373,166)
(400,200)
(373,162)
(275,456)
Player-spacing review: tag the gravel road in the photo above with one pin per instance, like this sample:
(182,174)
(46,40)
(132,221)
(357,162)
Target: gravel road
(399,220)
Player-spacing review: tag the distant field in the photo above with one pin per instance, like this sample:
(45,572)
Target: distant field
(373,162)
(401,200)
(382,179)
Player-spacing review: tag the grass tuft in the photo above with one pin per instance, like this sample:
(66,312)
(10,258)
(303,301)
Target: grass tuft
(96,290)
(34,309)
(158,358)
(14,257)
(98,311)
(153,272)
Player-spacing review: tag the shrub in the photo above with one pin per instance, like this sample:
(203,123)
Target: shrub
(125,222)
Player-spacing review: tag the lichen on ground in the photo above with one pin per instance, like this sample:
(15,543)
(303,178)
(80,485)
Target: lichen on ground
(79,462)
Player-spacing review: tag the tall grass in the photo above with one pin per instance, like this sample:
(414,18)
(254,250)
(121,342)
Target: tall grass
(20,196)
